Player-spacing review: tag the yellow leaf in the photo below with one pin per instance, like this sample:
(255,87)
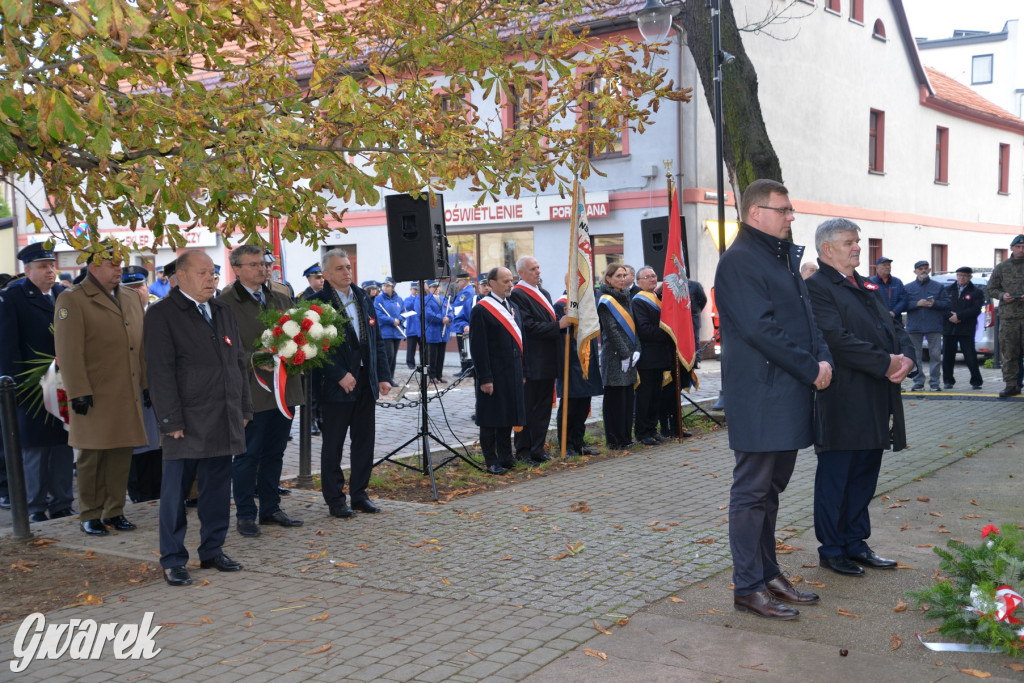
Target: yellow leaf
(345,565)
(205,620)
(924,499)
(249,614)
(847,613)
(601,628)
(900,606)
(623,621)
(1016,666)
(975,673)
(445,581)
(322,648)
(594,653)
(673,598)
(320,618)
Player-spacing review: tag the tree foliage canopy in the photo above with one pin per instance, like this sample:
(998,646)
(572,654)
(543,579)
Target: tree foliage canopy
(220,114)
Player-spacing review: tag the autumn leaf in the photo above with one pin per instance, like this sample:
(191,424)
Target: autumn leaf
(601,628)
(846,613)
(895,643)
(973,502)
(595,653)
(971,517)
(22,565)
(673,598)
(896,505)
(249,614)
(322,648)
(445,581)
(935,514)
(580,507)
(574,548)
(924,499)
(205,582)
(321,617)
(1016,666)
(816,584)
(976,673)
(527,508)
(623,621)
(901,606)
(705,540)
(205,620)
(900,565)
(344,565)
(559,556)
(924,545)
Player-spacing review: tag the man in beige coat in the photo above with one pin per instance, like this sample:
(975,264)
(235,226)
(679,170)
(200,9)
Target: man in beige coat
(98,339)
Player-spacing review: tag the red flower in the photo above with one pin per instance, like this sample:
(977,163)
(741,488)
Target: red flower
(990,529)
(326,347)
(299,339)
(283,319)
(319,311)
(306,324)
(277,332)
(299,358)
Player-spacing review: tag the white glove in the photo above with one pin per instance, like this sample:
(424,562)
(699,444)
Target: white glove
(636,357)
(625,366)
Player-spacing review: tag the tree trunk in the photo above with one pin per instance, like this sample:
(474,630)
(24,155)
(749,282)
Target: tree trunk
(748,151)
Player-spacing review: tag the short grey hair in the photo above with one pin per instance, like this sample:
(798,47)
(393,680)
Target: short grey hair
(330,254)
(643,268)
(521,262)
(240,252)
(830,230)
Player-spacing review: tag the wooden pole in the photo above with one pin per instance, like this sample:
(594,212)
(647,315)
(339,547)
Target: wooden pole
(568,334)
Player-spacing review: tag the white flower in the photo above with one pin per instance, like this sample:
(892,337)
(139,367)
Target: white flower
(315,332)
(288,349)
(330,331)
(309,350)
(267,338)
(312,315)
(291,328)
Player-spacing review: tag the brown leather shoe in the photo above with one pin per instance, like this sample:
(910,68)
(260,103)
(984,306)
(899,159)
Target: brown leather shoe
(782,589)
(764,605)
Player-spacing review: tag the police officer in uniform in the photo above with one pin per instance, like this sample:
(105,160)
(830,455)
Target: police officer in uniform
(315,277)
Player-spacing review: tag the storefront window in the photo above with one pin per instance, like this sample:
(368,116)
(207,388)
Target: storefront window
(607,249)
(462,255)
(475,253)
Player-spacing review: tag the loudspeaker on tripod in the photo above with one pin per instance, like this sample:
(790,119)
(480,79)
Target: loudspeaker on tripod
(416,237)
(654,233)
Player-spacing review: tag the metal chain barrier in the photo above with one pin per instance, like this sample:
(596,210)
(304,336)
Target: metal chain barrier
(400,404)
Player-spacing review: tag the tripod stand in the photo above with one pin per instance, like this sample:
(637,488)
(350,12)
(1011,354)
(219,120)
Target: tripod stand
(426,466)
(697,407)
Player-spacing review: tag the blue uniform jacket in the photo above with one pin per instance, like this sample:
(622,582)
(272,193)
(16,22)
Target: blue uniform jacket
(412,323)
(389,309)
(437,307)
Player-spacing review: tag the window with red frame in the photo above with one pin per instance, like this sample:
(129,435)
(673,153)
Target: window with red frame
(941,154)
(876,141)
(616,146)
(832,5)
(879,30)
(1004,169)
(857,11)
(523,107)
(939,258)
(874,253)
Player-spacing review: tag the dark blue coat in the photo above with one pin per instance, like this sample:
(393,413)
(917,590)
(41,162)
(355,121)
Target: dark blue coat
(328,377)
(578,386)
(412,323)
(855,411)
(771,346)
(389,309)
(436,308)
(25,319)
(658,349)
(467,302)
(893,293)
(922,319)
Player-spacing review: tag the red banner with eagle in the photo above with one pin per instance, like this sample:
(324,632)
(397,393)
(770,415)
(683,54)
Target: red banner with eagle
(676,310)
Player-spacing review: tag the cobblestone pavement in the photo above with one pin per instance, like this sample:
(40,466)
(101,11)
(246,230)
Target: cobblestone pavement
(493,586)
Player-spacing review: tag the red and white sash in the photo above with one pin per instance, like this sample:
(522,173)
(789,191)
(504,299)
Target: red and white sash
(503,317)
(537,296)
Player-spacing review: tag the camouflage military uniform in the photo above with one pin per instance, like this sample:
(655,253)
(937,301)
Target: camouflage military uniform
(1008,277)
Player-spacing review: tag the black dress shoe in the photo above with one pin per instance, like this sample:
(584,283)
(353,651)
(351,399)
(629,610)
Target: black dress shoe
(763,604)
(282,519)
(364,505)
(649,441)
(177,576)
(282,491)
(247,527)
(540,458)
(38,517)
(869,559)
(94,527)
(659,438)
(120,523)
(343,511)
(5,502)
(66,512)
(687,433)
(587,450)
(221,563)
(840,565)
(571,452)
(781,589)
(497,469)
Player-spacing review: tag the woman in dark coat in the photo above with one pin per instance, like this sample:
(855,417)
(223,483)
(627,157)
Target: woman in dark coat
(620,349)
(580,389)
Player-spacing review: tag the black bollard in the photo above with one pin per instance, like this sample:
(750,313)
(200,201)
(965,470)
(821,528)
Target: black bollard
(305,478)
(12,452)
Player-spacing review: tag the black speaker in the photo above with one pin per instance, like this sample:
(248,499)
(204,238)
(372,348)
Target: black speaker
(417,239)
(654,233)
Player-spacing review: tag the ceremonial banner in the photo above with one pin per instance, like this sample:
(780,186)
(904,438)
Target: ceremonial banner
(676,308)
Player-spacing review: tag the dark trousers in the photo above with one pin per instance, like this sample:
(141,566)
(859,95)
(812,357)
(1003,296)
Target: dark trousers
(3,471)
(49,477)
(257,472)
(391,350)
(538,395)
(844,484)
(648,403)
(144,479)
(950,342)
(435,359)
(757,481)
(579,409)
(496,446)
(214,475)
(338,418)
(618,415)
(410,351)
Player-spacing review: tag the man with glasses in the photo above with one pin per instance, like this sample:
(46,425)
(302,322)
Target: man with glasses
(657,355)
(257,471)
(776,360)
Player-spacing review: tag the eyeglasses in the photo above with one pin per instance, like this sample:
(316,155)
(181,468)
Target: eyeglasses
(648,277)
(782,210)
(255,264)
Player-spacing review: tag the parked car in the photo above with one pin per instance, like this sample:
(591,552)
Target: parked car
(985,332)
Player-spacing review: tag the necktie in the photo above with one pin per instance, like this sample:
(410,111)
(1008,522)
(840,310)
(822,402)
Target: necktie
(852,280)
(206,314)
(259,298)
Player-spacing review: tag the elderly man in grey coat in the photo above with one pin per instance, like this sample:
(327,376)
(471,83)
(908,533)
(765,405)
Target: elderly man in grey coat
(198,375)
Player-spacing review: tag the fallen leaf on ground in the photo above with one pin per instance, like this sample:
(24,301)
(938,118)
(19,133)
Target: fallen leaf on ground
(320,618)
(705,540)
(808,566)
(924,499)
(205,620)
(895,643)
(659,528)
(445,581)
(896,505)
(973,502)
(655,523)
(976,673)
(1016,666)
(580,507)
(816,584)
(345,565)
(971,517)
(847,613)
(322,648)
(935,514)
(785,548)
(623,621)
(206,582)
(901,606)
(924,545)
(527,508)
(559,556)
(900,565)
(24,566)
(594,653)
(675,599)
(710,474)
(602,629)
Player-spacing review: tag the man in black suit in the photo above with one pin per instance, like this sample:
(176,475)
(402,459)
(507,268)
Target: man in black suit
(496,344)
(542,335)
(26,317)
(349,387)
(199,384)
(657,356)
(861,413)
(965,303)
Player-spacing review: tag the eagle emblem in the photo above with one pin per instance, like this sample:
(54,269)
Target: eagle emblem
(676,283)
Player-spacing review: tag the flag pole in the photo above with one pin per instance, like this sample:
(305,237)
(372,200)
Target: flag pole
(568,332)
(675,354)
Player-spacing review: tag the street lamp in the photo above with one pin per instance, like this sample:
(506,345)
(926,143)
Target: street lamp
(655,21)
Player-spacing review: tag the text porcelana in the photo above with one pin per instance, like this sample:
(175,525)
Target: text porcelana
(82,639)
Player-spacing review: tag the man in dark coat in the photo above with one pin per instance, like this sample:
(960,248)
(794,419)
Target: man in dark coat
(657,356)
(198,373)
(861,413)
(581,389)
(26,317)
(349,387)
(776,360)
(257,471)
(542,332)
(496,344)
(965,304)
